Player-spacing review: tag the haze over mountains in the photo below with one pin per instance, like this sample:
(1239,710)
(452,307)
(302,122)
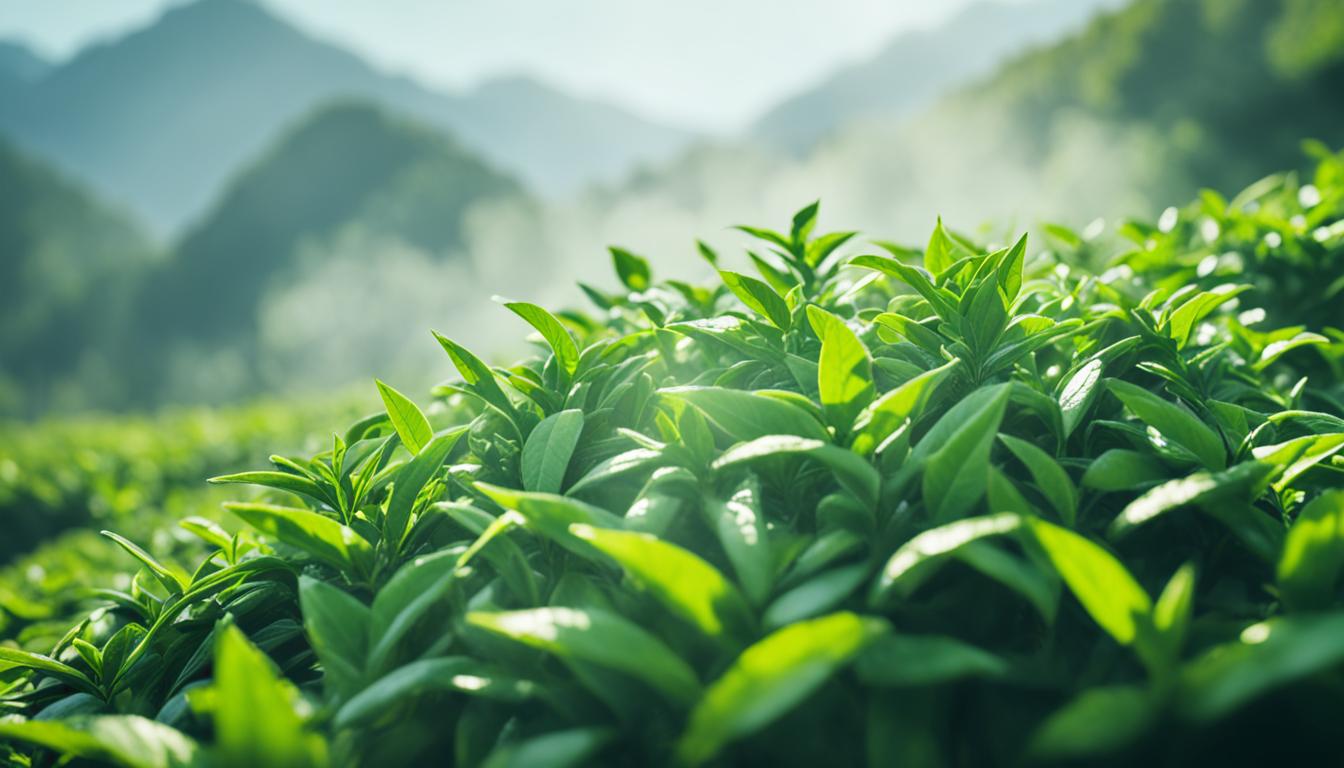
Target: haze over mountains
(344,211)
(163,116)
(347,166)
(916,68)
(68,267)
(1133,113)
(18,63)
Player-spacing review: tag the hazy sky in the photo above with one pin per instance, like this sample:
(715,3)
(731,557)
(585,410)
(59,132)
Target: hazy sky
(711,64)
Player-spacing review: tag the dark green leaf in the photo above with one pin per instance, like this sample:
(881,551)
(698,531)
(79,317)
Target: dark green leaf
(600,638)
(548,450)
(770,678)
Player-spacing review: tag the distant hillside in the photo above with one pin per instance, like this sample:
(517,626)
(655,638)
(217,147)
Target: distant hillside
(1137,111)
(1231,87)
(20,63)
(162,117)
(19,67)
(348,165)
(916,68)
(67,266)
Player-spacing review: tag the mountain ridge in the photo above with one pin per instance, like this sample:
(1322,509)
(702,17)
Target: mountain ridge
(92,113)
(347,164)
(914,68)
(68,265)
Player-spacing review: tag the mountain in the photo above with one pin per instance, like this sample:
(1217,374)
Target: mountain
(916,68)
(19,67)
(163,116)
(20,63)
(1227,89)
(1134,113)
(68,263)
(348,165)
(1140,109)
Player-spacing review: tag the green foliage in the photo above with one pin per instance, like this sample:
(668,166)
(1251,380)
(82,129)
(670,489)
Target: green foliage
(863,510)
(114,472)
(1145,68)
(67,277)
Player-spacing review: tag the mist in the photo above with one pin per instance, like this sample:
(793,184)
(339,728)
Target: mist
(368,301)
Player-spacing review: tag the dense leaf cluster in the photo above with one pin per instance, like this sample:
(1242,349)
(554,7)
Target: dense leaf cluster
(962,506)
(120,471)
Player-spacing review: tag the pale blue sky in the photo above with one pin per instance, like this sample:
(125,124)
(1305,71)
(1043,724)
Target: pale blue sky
(709,64)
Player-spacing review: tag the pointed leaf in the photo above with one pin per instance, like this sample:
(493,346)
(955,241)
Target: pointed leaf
(772,677)
(411,425)
(677,578)
(548,449)
(600,638)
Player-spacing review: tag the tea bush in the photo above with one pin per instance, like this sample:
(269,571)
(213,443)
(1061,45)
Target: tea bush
(959,506)
(95,470)
(63,478)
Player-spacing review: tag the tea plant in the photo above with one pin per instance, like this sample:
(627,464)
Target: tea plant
(957,506)
(63,479)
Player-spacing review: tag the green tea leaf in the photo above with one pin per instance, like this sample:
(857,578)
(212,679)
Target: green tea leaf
(1268,655)
(448,674)
(1079,389)
(685,584)
(1189,314)
(938,253)
(1174,607)
(1299,455)
(884,416)
(919,557)
(771,678)
(760,298)
(410,479)
(172,581)
(1103,586)
(984,316)
(852,472)
(548,450)
(1175,423)
(1123,470)
(129,741)
(256,712)
(1242,482)
(814,597)
(956,473)
(477,375)
(320,537)
(618,466)
(67,674)
(597,637)
(417,589)
(411,425)
(1010,269)
(338,628)
(557,749)
(631,269)
(941,300)
(749,415)
(1274,350)
(552,330)
(845,370)
(1049,476)
(551,515)
(742,532)
(1313,553)
(282,481)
